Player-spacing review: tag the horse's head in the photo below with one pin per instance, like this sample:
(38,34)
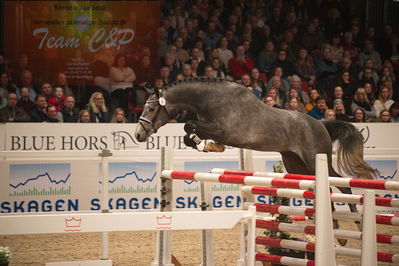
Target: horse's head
(153,117)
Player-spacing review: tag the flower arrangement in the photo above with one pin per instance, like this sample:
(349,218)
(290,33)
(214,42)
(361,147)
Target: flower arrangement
(5,255)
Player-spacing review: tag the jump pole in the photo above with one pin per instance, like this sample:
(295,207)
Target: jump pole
(104,200)
(369,240)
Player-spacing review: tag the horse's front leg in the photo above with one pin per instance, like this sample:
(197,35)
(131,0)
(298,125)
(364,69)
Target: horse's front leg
(199,135)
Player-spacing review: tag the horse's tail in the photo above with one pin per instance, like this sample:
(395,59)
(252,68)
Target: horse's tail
(350,149)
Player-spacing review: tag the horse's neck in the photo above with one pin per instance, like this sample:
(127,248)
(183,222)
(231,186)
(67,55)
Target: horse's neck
(185,96)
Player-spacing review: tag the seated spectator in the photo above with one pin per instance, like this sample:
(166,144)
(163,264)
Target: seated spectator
(383,101)
(337,51)
(208,72)
(368,73)
(224,53)
(271,102)
(145,72)
(329,115)
(198,66)
(212,37)
(98,111)
(24,102)
(313,95)
(69,112)
(340,111)
(325,70)
(27,81)
(387,74)
(384,117)
(121,78)
(394,112)
(293,94)
(6,85)
(287,66)
(118,116)
(305,67)
(311,39)
(84,116)
(171,63)
(51,112)
(296,83)
(347,65)
(369,53)
(318,111)
(257,84)
(349,46)
(58,99)
(267,57)
(187,71)
(39,114)
(240,64)
(46,90)
(11,112)
(361,100)
(293,104)
(359,116)
(62,82)
(182,54)
(275,94)
(348,84)
(219,71)
(370,90)
(281,85)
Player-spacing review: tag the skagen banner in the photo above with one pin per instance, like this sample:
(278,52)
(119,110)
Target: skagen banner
(46,136)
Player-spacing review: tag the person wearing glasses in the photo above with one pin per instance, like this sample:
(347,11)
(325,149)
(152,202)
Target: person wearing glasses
(98,111)
(11,112)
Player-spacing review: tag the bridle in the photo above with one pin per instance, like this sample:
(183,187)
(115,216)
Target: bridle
(161,101)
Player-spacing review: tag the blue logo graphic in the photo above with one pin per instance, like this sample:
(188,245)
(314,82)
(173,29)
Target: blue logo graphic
(39,179)
(132,177)
(386,169)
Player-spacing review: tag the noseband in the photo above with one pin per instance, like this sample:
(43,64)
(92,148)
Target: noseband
(161,101)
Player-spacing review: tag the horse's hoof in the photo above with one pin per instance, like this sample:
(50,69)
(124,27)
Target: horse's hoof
(214,147)
(342,242)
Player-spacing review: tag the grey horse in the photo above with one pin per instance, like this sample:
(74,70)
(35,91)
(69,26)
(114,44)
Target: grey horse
(230,114)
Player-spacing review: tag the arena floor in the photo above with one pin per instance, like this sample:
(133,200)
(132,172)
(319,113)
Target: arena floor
(137,248)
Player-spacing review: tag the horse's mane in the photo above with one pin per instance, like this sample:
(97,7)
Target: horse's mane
(196,79)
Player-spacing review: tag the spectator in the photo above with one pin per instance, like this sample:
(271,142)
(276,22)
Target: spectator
(171,63)
(39,113)
(121,78)
(51,112)
(22,65)
(329,115)
(383,101)
(145,72)
(350,47)
(305,67)
(287,66)
(299,106)
(267,57)
(339,109)
(27,81)
(339,95)
(240,64)
(337,51)
(182,54)
(313,95)
(187,71)
(277,83)
(164,73)
(58,100)
(359,116)
(224,53)
(257,84)
(348,84)
(347,65)
(296,83)
(318,111)
(361,100)
(372,75)
(311,39)
(69,112)
(212,37)
(196,55)
(46,90)
(370,91)
(275,94)
(62,82)
(325,70)
(219,71)
(394,112)
(98,111)
(84,116)
(369,53)
(384,117)
(271,102)
(24,102)
(208,72)
(6,86)
(119,116)
(11,112)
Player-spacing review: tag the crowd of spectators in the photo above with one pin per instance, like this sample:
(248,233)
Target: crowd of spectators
(310,56)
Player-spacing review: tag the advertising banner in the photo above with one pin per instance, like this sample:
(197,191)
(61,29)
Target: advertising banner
(79,38)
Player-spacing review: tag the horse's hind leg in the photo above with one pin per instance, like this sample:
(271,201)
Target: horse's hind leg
(293,163)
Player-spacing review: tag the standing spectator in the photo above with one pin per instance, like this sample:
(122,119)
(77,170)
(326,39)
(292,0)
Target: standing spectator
(267,57)
(224,53)
(39,113)
(121,78)
(240,64)
(11,112)
(84,116)
(24,102)
(318,111)
(361,100)
(369,53)
(119,116)
(98,111)
(69,112)
(51,111)
(383,101)
(384,117)
(58,99)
